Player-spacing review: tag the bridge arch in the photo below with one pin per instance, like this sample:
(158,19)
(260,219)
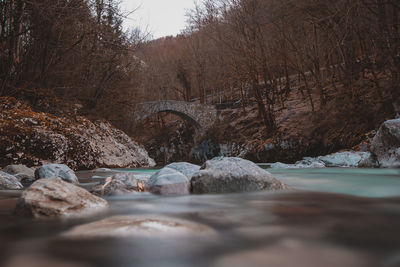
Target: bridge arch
(201,116)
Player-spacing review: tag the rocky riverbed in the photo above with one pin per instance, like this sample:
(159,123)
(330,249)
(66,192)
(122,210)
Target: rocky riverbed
(279,228)
(226,212)
(219,175)
(56,191)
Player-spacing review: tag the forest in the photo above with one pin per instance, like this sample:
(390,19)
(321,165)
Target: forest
(233,52)
(344,51)
(54,54)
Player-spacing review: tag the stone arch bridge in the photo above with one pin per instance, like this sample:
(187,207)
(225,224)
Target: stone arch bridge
(201,116)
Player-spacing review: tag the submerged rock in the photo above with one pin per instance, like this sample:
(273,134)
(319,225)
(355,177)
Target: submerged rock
(148,226)
(56,198)
(168,181)
(24,174)
(9,182)
(229,175)
(386,144)
(60,171)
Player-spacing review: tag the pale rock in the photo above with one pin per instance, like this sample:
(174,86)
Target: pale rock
(233,175)
(56,198)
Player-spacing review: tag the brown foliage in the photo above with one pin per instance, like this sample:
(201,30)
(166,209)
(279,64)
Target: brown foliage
(71,51)
(262,50)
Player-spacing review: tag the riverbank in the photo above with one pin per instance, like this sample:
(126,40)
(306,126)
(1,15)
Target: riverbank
(36,138)
(241,133)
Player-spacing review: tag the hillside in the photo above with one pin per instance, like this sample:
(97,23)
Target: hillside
(301,132)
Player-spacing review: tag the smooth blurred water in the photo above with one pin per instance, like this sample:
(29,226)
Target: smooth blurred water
(351,181)
(333,217)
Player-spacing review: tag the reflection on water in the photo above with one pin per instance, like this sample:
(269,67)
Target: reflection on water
(302,228)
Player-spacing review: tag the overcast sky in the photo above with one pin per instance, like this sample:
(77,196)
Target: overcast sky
(163,17)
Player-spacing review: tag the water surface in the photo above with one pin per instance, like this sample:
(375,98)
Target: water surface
(335,217)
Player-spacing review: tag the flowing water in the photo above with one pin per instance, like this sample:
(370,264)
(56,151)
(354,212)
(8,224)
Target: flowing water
(334,217)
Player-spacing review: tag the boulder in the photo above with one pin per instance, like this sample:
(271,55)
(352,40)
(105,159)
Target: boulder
(9,182)
(56,198)
(185,168)
(230,175)
(340,159)
(344,159)
(368,162)
(60,171)
(24,174)
(168,181)
(27,136)
(386,144)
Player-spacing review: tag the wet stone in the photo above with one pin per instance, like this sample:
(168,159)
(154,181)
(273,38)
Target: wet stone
(60,171)
(185,168)
(168,181)
(24,174)
(56,198)
(9,182)
(386,144)
(231,175)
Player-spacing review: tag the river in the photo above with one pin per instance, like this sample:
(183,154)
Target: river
(333,217)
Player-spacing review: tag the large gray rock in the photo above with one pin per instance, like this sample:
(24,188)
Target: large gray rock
(344,159)
(340,159)
(386,144)
(185,168)
(24,174)
(9,182)
(168,181)
(56,198)
(229,175)
(60,171)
